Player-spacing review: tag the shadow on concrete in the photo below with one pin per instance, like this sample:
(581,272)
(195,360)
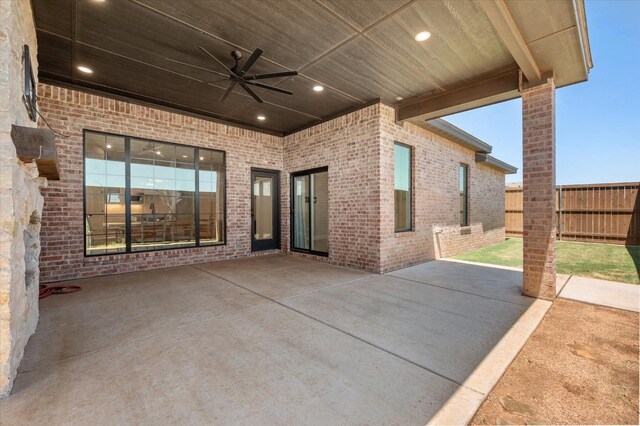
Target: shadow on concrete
(274,339)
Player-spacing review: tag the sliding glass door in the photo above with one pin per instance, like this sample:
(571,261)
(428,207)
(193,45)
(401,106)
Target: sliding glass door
(310,211)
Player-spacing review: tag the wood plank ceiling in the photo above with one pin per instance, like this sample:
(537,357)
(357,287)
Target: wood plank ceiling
(358,50)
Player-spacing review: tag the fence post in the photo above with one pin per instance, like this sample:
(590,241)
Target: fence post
(559,212)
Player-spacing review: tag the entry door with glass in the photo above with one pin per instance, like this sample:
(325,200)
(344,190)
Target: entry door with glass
(310,211)
(265,217)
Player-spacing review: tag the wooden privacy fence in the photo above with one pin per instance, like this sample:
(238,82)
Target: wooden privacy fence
(607,213)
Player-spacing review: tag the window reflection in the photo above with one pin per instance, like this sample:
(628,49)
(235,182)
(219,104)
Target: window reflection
(402,187)
(311,211)
(464,196)
(162,195)
(104,194)
(211,182)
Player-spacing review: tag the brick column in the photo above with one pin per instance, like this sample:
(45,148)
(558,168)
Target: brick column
(539,181)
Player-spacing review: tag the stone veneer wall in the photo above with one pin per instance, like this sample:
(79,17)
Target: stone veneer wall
(20,199)
(436,200)
(70,112)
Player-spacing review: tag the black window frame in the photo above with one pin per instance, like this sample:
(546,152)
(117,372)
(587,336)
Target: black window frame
(292,177)
(127,140)
(464,213)
(411,155)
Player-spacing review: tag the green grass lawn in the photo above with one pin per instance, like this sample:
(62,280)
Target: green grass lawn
(604,261)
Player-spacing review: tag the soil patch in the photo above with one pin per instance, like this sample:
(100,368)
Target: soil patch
(579,367)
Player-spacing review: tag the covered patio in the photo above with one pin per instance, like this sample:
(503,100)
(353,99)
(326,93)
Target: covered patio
(165,146)
(274,339)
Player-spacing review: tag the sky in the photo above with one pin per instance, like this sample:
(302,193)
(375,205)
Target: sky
(597,122)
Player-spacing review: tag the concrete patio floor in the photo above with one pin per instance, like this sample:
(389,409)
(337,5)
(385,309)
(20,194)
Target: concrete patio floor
(276,339)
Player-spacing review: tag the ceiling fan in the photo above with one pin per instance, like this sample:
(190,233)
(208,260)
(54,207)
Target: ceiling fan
(149,149)
(238,74)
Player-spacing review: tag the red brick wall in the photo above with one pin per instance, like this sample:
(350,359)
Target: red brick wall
(349,146)
(357,148)
(539,190)
(436,201)
(70,111)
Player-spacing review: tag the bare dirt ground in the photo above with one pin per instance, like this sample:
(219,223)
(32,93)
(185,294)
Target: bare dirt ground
(579,367)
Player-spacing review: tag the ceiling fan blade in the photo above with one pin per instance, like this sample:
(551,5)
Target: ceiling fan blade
(272,75)
(227,92)
(266,86)
(216,59)
(251,92)
(252,59)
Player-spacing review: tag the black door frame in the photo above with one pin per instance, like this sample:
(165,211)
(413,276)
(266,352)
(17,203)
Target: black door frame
(292,212)
(273,243)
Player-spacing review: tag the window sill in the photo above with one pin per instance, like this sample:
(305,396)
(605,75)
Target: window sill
(89,258)
(405,234)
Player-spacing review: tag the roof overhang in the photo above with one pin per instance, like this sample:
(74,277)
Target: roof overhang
(544,39)
(493,162)
(450,132)
(456,135)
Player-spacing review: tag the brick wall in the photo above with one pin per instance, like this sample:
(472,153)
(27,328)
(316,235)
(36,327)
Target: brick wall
(70,111)
(436,201)
(357,148)
(539,190)
(349,146)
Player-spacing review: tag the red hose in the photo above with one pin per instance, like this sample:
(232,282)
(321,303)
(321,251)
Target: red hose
(48,290)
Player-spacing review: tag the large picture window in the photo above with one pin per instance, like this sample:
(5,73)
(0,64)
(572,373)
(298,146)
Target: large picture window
(464,195)
(402,187)
(143,195)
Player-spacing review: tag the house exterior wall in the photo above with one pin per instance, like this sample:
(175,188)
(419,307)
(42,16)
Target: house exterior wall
(70,112)
(357,148)
(20,199)
(436,201)
(349,146)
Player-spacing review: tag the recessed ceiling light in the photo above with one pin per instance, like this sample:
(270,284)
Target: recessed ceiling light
(262,117)
(158,152)
(318,88)
(85,70)
(108,146)
(399,98)
(201,158)
(184,156)
(422,36)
